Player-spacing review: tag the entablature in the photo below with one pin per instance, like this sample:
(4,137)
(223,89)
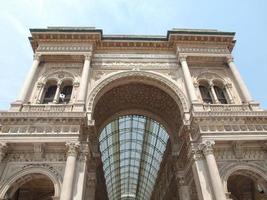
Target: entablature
(122,42)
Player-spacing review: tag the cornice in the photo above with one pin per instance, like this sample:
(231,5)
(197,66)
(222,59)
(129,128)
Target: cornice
(95,36)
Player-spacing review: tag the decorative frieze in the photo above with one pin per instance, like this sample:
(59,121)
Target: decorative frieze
(41,129)
(67,47)
(3,150)
(204,50)
(134,65)
(30,157)
(233,128)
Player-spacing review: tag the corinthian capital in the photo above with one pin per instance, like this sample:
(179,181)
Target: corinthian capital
(196,152)
(229,59)
(37,56)
(182,58)
(73,148)
(88,56)
(207,147)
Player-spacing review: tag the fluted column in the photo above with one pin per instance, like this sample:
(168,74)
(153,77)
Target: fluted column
(243,88)
(201,176)
(216,182)
(29,79)
(67,187)
(188,79)
(84,79)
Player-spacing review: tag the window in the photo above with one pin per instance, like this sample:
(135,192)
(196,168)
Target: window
(49,94)
(65,94)
(205,94)
(55,92)
(220,93)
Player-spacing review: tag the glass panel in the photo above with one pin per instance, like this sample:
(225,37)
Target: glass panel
(220,95)
(132,148)
(50,94)
(205,94)
(65,94)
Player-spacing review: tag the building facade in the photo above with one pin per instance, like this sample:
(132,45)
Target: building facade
(133,118)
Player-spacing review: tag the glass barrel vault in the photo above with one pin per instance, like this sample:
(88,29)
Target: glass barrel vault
(132,148)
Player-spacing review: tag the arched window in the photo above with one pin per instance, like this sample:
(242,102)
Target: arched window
(205,94)
(220,93)
(65,94)
(50,92)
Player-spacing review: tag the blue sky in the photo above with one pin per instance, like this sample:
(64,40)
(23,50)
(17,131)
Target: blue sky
(247,18)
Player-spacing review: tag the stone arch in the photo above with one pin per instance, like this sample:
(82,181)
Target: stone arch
(163,81)
(136,112)
(210,77)
(254,171)
(31,171)
(58,75)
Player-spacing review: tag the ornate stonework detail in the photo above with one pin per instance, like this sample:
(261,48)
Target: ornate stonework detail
(37,56)
(88,56)
(131,75)
(207,147)
(41,129)
(64,47)
(196,152)
(38,149)
(3,150)
(30,157)
(134,65)
(237,148)
(73,148)
(204,50)
(161,80)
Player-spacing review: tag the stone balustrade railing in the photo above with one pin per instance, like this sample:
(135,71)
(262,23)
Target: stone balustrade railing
(47,107)
(225,107)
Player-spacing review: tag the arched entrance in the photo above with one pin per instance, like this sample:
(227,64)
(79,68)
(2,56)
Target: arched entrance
(131,164)
(244,187)
(37,180)
(31,187)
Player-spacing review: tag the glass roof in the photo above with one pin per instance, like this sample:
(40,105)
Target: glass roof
(132,148)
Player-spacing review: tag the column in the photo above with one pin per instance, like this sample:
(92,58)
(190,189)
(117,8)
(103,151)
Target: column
(228,87)
(201,176)
(216,182)
(84,79)
(188,79)
(56,97)
(213,93)
(184,190)
(67,187)
(41,87)
(29,79)
(91,186)
(239,80)
(3,151)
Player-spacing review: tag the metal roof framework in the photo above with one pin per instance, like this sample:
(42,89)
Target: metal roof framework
(132,148)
